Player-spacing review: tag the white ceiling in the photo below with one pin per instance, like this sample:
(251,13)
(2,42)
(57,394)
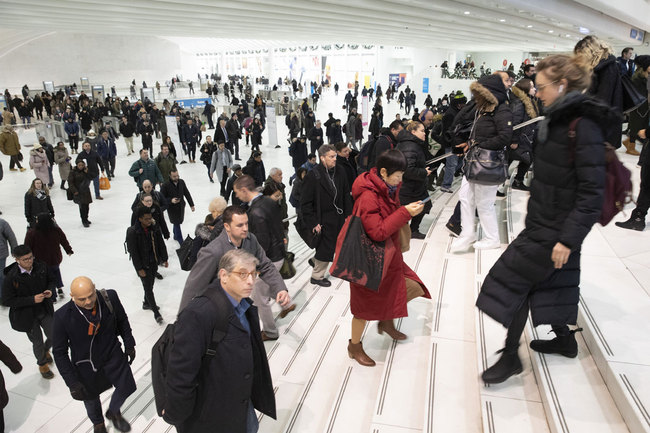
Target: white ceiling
(477,25)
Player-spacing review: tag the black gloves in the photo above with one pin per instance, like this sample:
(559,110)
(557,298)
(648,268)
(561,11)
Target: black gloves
(79,392)
(130,354)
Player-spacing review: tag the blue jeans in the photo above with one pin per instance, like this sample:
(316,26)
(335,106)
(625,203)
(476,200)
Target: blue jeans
(177,233)
(450,169)
(96,185)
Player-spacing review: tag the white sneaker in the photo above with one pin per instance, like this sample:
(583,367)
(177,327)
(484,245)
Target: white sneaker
(487,244)
(462,245)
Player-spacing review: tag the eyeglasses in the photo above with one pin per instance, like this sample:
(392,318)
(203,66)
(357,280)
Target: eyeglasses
(244,275)
(26,259)
(547,84)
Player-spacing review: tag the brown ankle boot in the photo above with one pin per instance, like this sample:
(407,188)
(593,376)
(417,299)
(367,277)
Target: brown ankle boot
(389,327)
(45,371)
(631,147)
(356,352)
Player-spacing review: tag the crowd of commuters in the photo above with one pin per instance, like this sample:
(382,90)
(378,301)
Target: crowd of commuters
(382,175)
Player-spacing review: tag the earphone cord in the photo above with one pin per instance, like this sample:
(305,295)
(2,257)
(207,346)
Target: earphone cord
(331,178)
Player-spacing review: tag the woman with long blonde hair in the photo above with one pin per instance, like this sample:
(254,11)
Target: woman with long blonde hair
(598,56)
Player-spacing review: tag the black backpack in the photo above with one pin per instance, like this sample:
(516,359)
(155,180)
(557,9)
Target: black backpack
(160,357)
(363,157)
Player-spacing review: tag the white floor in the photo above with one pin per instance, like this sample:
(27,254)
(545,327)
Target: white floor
(429,382)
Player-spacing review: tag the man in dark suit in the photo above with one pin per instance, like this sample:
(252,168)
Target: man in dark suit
(91,365)
(221,134)
(325,203)
(190,138)
(175,191)
(233,130)
(625,62)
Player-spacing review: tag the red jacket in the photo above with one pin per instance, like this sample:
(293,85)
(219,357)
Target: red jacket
(382,216)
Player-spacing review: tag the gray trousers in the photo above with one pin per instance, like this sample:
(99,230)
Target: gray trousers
(262,297)
(319,269)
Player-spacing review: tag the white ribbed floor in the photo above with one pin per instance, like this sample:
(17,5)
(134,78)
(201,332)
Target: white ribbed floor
(430,382)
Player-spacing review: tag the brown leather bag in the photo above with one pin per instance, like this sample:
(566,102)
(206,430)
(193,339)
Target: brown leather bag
(405,238)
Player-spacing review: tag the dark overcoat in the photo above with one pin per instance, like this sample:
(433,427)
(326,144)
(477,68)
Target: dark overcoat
(97,362)
(216,399)
(566,198)
(333,198)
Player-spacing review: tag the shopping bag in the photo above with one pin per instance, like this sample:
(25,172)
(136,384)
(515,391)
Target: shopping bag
(359,259)
(104,183)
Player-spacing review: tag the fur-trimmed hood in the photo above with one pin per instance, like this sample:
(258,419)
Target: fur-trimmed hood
(488,93)
(525,99)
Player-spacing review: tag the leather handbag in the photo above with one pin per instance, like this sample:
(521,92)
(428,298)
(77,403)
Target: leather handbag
(485,166)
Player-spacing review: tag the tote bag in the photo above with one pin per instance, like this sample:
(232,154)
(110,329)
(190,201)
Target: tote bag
(359,259)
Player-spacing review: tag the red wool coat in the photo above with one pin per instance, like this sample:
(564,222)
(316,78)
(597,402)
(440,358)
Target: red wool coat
(382,217)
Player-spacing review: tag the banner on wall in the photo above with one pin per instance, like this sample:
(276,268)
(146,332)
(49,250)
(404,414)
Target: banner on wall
(191,103)
(364,110)
(366,81)
(398,79)
(271,125)
(172,131)
(425,85)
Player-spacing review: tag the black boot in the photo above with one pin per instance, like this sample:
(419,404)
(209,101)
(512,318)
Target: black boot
(508,365)
(565,345)
(119,423)
(634,223)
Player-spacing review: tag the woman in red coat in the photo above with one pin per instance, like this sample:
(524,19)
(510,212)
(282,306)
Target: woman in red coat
(376,195)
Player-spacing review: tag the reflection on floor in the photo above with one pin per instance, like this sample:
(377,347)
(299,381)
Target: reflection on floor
(427,383)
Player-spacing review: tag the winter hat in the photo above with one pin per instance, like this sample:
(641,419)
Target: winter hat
(643,61)
(91,132)
(235,167)
(37,146)
(495,85)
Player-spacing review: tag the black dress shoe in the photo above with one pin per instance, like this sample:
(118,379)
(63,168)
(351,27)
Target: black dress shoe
(417,235)
(633,223)
(146,306)
(158,276)
(85,223)
(323,283)
(100,428)
(118,421)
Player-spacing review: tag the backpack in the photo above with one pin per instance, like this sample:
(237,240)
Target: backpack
(618,180)
(160,357)
(363,157)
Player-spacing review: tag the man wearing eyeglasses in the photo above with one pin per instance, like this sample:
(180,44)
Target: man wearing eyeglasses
(27,291)
(235,235)
(221,394)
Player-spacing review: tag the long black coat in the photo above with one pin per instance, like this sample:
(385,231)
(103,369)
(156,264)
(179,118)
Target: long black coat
(324,193)
(606,86)
(79,182)
(35,206)
(18,292)
(216,400)
(265,222)
(70,334)
(176,211)
(565,202)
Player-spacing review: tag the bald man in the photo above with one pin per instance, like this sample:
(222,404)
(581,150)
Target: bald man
(88,353)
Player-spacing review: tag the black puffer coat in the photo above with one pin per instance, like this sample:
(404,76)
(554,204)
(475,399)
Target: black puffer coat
(493,127)
(565,202)
(414,181)
(606,86)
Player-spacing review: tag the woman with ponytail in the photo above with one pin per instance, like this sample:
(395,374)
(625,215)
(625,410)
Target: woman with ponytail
(540,270)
